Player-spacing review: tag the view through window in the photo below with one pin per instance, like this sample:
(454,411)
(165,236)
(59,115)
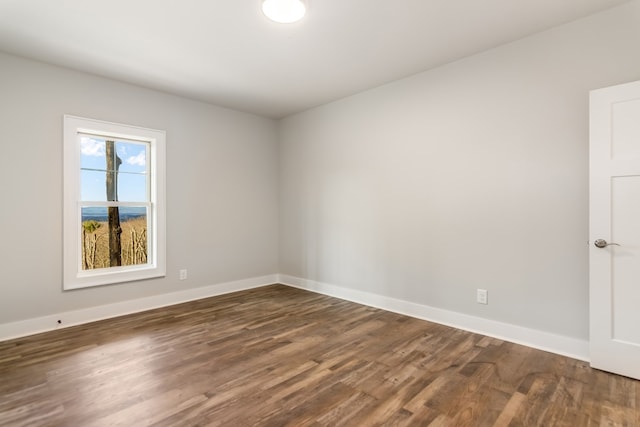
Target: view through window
(115,202)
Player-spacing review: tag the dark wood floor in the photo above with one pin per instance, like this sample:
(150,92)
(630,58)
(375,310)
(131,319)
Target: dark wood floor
(278,356)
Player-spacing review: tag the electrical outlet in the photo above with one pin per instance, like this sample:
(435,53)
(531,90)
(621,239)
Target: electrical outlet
(183,274)
(482,296)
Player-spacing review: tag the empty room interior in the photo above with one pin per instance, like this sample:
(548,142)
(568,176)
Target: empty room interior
(349,213)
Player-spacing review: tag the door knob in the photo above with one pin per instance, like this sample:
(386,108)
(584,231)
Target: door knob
(601,243)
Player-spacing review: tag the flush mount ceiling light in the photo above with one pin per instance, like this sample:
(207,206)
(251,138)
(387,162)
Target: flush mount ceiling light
(284,11)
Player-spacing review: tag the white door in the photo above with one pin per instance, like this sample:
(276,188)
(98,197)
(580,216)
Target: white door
(615,220)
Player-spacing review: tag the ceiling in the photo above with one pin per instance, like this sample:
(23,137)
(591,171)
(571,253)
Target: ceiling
(227,53)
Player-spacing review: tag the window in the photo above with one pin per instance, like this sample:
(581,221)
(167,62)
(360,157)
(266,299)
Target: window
(113,203)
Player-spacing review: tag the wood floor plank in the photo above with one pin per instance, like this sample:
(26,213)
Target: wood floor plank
(279,356)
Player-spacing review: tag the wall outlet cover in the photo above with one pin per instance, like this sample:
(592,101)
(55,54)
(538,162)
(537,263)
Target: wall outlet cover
(482,296)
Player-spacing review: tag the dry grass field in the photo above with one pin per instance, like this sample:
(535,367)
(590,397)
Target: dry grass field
(95,243)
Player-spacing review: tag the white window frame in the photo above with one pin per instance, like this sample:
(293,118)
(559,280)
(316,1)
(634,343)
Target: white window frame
(74,277)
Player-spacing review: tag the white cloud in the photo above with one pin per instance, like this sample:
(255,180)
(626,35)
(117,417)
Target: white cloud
(92,147)
(139,160)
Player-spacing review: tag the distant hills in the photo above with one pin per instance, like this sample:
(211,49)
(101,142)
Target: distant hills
(100,213)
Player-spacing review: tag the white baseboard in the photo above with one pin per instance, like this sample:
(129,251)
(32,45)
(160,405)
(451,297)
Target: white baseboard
(78,317)
(566,346)
(559,344)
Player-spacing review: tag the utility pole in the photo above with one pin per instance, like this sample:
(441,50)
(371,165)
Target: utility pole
(113,164)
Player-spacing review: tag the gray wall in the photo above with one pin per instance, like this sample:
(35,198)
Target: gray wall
(472,175)
(222,222)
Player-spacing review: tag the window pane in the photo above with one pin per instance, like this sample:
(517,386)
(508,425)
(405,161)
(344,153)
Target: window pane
(93,186)
(133,156)
(92,153)
(95,237)
(132,187)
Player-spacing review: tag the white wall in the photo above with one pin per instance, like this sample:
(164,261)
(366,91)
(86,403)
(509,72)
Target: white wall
(472,175)
(222,222)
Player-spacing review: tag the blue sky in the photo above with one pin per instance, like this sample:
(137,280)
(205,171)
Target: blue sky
(132,178)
